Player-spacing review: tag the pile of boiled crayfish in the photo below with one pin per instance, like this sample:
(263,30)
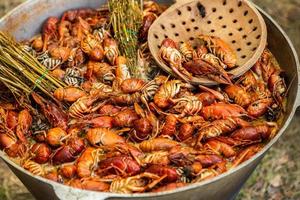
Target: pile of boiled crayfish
(211,59)
(127,135)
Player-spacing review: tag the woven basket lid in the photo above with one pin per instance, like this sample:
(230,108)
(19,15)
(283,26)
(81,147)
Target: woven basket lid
(237,22)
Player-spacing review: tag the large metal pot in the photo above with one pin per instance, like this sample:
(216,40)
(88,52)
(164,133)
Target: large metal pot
(25,21)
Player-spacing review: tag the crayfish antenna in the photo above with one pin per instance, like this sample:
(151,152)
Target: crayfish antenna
(139,110)
(158,110)
(249,117)
(198,144)
(220,79)
(214,92)
(121,131)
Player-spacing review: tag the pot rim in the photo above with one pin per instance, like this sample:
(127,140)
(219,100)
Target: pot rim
(190,186)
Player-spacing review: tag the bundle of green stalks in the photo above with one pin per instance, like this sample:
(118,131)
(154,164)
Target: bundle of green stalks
(126,20)
(21,73)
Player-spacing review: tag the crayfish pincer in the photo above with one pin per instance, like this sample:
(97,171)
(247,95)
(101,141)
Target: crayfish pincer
(255,133)
(221,49)
(120,165)
(135,183)
(170,55)
(68,152)
(104,136)
(54,114)
(24,124)
(93,184)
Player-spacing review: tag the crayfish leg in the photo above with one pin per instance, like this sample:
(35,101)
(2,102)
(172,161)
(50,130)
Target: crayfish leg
(198,144)
(181,75)
(154,183)
(214,92)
